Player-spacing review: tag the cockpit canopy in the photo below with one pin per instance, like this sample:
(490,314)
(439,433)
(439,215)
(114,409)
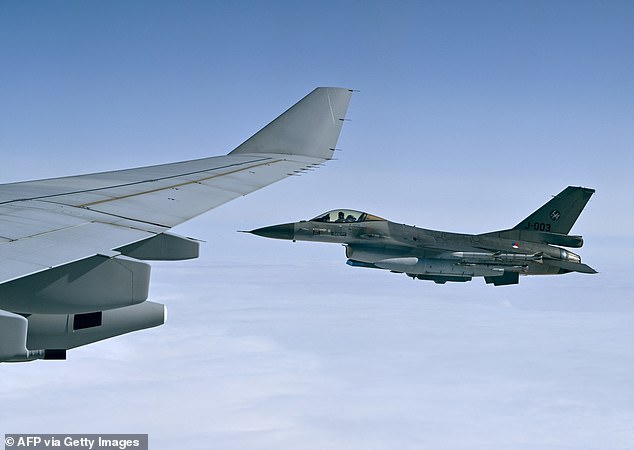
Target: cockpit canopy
(345,216)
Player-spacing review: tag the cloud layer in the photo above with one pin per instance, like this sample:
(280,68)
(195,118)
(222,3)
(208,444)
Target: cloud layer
(326,356)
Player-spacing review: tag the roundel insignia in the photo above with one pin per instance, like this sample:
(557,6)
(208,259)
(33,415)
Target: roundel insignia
(555,215)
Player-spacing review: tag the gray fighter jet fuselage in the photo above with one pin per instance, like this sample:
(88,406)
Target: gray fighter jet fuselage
(533,247)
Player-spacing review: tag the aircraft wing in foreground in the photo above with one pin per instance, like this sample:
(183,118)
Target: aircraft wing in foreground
(533,247)
(72,249)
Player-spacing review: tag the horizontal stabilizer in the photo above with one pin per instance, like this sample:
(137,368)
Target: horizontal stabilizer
(570,266)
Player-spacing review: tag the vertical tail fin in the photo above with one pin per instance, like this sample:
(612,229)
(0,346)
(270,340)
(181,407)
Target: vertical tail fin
(560,213)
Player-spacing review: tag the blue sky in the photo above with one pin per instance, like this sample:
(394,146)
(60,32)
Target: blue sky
(469,116)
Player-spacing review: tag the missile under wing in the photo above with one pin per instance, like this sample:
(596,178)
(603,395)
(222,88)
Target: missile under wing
(534,247)
(74,249)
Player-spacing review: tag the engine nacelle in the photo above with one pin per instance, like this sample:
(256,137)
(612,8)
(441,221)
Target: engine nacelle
(66,331)
(13,337)
(13,329)
(92,284)
(48,336)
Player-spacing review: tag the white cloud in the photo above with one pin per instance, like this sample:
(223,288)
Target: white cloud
(282,359)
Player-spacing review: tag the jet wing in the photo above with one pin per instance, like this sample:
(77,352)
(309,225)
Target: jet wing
(50,222)
(55,222)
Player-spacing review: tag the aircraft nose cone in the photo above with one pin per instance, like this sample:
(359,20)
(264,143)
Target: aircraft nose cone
(284,231)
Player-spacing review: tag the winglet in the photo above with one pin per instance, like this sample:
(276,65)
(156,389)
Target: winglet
(311,127)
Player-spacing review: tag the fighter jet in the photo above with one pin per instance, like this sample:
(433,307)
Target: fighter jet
(73,250)
(532,247)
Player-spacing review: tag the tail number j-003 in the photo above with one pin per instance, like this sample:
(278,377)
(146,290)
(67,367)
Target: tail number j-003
(537,226)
